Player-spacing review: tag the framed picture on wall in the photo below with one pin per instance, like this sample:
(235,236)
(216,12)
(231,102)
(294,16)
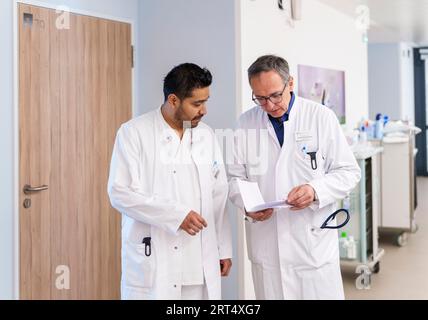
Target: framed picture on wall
(325,86)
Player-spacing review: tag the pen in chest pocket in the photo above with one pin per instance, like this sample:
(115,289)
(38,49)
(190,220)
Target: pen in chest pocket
(148,248)
(312,155)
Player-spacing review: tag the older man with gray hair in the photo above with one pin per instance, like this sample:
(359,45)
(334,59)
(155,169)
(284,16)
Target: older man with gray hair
(306,161)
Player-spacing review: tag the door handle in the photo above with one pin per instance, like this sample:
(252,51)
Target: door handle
(29,189)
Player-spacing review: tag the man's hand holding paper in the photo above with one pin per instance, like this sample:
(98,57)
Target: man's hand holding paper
(254,204)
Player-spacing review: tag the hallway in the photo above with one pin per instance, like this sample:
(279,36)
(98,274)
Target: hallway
(403,271)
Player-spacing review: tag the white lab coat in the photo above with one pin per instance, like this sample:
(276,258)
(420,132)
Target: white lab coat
(142,186)
(307,257)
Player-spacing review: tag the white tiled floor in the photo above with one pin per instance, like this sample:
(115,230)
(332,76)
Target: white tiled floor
(403,271)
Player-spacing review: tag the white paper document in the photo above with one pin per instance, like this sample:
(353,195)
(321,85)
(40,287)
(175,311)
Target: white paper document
(253,199)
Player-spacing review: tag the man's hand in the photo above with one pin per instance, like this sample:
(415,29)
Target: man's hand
(301,197)
(193,223)
(225,266)
(261,215)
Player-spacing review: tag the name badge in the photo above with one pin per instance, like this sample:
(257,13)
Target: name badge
(303,136)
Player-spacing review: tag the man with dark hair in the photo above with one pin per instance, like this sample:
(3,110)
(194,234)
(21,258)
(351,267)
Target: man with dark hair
(168,180)
(184,78)
(305,161)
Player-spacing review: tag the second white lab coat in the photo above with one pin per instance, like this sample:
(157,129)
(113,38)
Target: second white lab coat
(307,257)
(143,187)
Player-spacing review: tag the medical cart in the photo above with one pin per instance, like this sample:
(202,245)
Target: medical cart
(363,204)
(398,185)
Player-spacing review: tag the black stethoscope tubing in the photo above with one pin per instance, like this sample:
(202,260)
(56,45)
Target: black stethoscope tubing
(333,216)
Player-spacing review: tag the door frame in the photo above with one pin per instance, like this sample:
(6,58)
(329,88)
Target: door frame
(420,111)
(15,125)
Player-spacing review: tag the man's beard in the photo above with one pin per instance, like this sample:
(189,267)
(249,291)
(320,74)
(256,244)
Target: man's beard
(181,118)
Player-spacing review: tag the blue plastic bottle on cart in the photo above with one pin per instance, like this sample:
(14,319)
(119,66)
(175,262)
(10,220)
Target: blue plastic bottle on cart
(385,120)
(379,126)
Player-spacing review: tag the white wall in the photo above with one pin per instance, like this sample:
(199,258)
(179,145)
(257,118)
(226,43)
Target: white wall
(198,31)
(324,38)
(124,9)
(391,80)
(384,86)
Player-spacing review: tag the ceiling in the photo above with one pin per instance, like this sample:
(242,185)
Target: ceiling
(391,20)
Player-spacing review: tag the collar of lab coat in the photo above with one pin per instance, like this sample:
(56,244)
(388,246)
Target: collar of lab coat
(197,135)
(167,133)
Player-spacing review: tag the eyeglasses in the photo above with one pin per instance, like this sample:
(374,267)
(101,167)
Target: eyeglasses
(275,98)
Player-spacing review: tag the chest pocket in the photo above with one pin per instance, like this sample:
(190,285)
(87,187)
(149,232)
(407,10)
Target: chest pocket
(308,155)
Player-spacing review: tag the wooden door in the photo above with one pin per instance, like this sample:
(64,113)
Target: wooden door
(75,89)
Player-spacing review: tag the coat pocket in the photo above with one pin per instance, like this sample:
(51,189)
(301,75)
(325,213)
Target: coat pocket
(310,164)
(324,283)
(138,268)
(322,244)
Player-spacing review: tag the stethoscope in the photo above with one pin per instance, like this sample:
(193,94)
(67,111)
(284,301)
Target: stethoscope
(325,225)
(333,216)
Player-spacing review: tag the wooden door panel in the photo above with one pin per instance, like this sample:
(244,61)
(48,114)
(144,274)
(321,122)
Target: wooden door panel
(75,90)
(35,127)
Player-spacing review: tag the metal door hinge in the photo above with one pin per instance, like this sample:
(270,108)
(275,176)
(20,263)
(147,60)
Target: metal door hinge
(132,56)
